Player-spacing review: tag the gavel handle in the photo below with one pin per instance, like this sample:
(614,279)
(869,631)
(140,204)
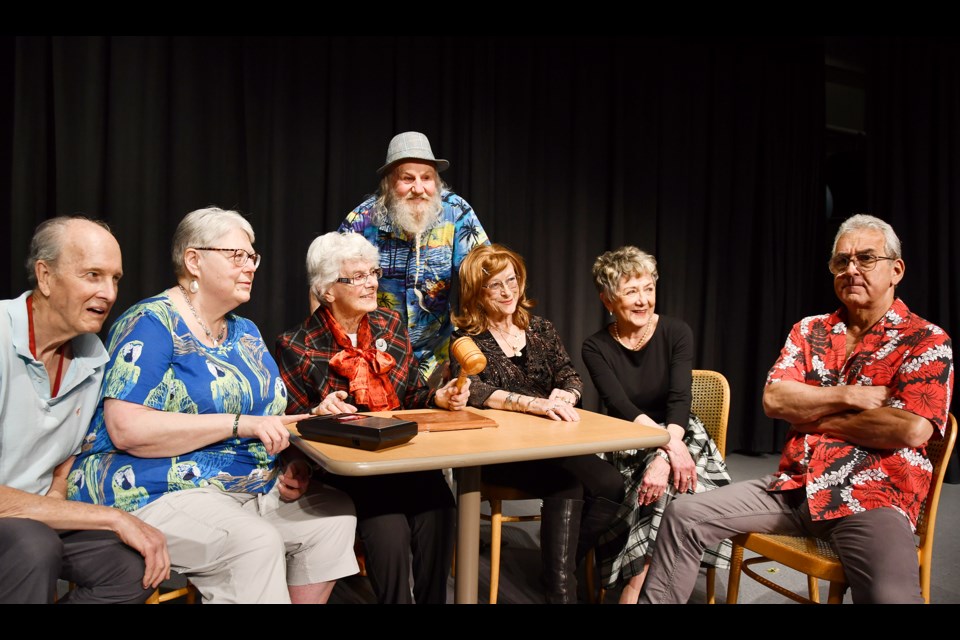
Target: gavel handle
(460,380)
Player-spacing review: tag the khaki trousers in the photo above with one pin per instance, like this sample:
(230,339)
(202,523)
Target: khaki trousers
(246,548)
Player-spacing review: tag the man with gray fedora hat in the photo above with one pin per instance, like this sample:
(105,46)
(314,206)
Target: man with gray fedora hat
(423,231)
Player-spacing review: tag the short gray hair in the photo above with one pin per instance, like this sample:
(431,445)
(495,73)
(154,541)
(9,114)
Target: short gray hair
(328,252)
(612,266)
(47,242)
(864,221)
(202,228)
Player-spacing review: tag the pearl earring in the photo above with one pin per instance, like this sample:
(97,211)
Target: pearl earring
(194,286)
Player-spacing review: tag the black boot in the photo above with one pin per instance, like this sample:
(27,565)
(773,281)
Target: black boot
(559,532)
(598,515)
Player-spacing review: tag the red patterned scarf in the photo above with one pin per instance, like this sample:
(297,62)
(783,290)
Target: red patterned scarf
(364,366)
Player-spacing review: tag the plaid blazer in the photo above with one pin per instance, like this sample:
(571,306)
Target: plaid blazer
(303,355)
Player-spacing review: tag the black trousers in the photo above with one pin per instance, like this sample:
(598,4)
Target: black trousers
(572,478)
(399,517)
(33,557)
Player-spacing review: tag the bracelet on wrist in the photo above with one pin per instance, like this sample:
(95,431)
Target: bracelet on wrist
(663,454)
(236,426)
(526,409)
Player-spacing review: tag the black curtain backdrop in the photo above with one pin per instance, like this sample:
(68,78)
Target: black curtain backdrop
(707,153)
(913,160)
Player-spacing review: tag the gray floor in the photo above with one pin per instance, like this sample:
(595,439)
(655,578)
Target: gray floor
(521,558)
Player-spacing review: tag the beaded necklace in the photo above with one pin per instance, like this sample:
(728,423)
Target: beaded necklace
(643,338)
(196,315)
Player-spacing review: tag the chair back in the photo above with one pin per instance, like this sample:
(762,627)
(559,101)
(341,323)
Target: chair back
(938,452)
(711,403)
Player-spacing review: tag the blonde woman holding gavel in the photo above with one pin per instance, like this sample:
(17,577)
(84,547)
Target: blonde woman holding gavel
(528,371)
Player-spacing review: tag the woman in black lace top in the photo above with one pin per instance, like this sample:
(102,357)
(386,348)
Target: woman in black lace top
(529,371)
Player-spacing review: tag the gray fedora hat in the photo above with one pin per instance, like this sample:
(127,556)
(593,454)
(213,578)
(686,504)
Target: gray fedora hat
(411,145)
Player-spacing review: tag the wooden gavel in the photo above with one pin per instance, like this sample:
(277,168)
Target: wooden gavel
(471,359)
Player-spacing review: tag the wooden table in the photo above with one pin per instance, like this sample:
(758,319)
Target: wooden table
(518,437)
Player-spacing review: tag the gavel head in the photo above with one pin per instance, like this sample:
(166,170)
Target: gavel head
(468,354)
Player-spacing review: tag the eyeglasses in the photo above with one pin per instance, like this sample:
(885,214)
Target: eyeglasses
(239,257)
(361,278)
(499,287)
(864,262)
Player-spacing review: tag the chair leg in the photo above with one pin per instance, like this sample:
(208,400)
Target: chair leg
(837,589)
(590,568)
(496,523)
(813,588)
(361,555)
(925,580)
(733,586)
(711,585)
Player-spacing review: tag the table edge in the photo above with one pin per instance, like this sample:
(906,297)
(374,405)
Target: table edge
(455,461)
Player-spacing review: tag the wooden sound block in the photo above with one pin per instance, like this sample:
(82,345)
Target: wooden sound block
(440,420)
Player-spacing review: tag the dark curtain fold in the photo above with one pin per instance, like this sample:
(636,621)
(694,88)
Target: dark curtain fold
(913,163)
(705,152)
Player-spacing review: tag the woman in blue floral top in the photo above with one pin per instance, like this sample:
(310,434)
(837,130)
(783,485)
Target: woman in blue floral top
(189,432)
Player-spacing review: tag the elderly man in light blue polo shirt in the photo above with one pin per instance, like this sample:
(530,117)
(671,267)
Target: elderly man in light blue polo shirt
(51,369)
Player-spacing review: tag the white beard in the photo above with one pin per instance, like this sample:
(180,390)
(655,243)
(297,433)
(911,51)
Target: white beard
(415,215)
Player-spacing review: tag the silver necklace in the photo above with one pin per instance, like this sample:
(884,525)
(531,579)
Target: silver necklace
(507,338)
(196,315)
(643,338)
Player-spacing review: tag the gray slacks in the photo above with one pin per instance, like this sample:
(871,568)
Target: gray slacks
(33,557)
(877,548)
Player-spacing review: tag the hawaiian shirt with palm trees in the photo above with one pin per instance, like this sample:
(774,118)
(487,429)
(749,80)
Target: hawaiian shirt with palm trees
(902,351)
(418,271)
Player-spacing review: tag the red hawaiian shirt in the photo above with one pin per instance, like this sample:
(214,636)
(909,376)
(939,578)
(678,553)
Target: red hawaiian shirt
(902,351)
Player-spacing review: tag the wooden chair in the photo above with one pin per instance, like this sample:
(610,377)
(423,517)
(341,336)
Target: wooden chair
(711,403)
(496,495)
(164,594)
(817,559)
(361,554)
